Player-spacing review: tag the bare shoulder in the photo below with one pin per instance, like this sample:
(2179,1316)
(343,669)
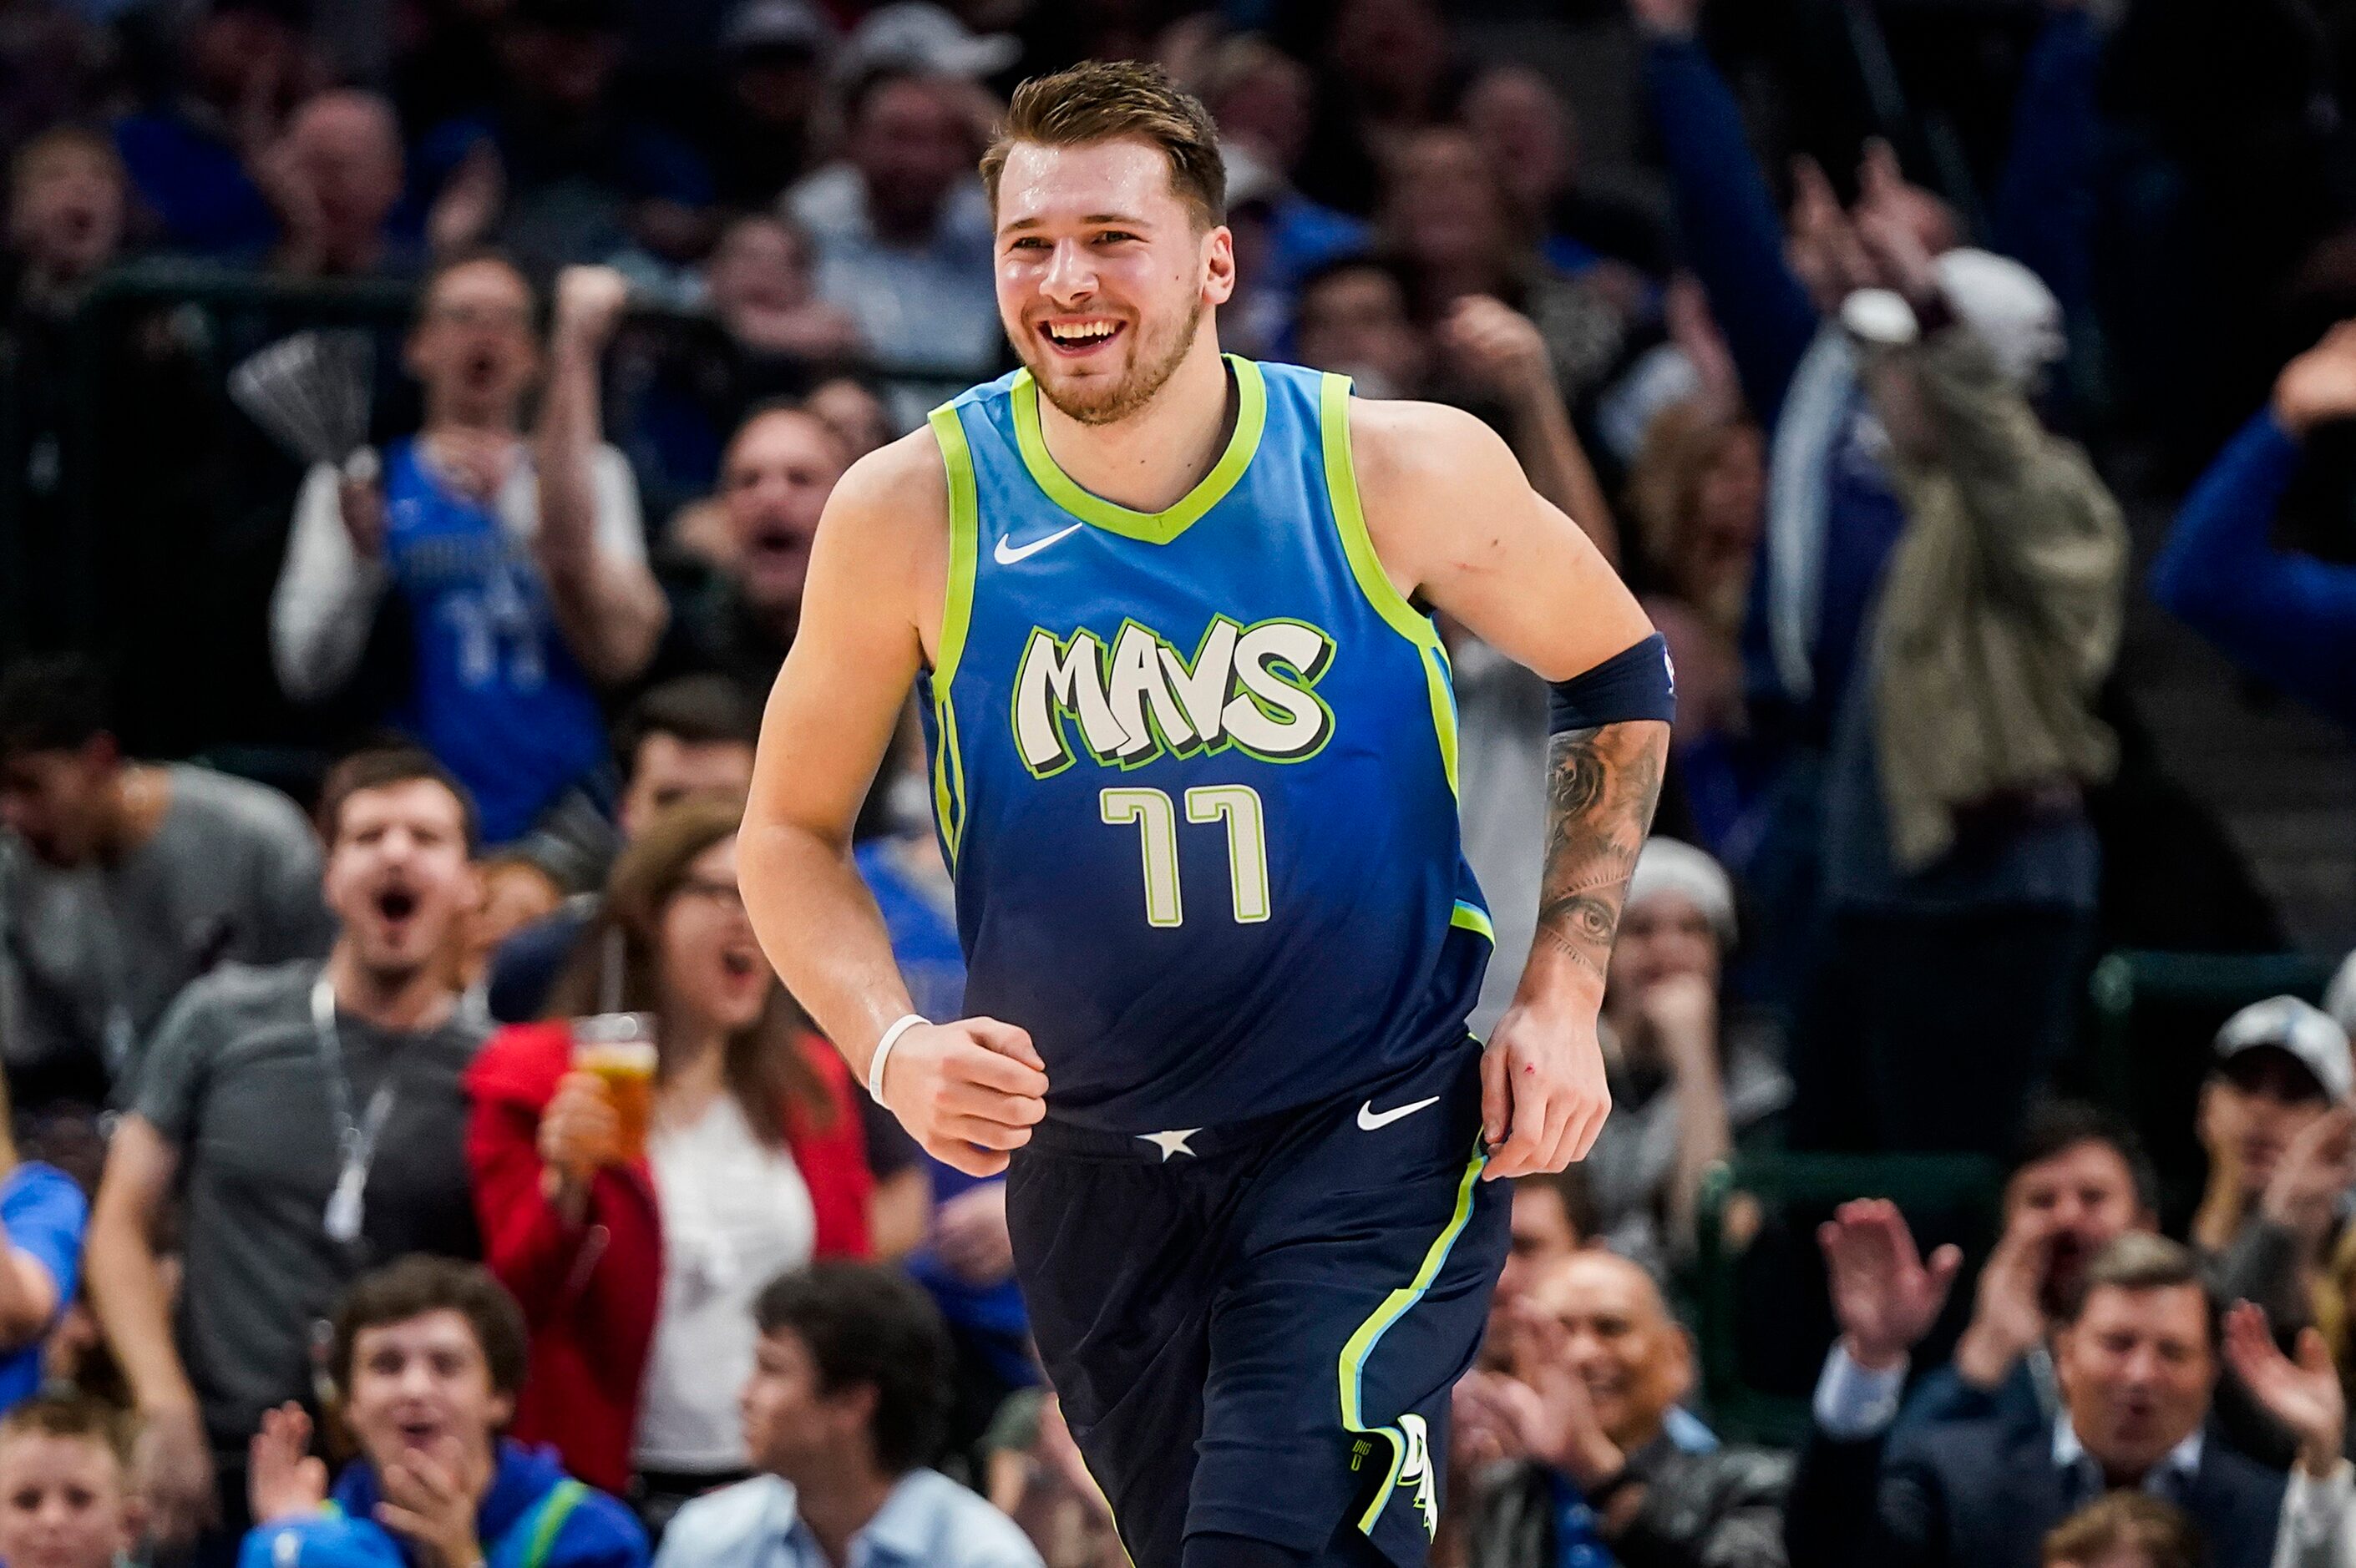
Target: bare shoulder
(885,539)
(898,493)
(1411,445)
(1423,471)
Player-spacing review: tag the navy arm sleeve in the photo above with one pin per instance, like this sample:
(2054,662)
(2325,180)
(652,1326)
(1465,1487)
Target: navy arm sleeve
(2283,615)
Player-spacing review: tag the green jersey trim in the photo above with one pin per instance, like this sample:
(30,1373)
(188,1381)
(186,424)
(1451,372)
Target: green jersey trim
(1361,1344)
(1471,917)
(1342,489)
(957,616)
(1152,527)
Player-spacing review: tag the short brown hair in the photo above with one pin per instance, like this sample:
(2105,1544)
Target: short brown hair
(382,767)
(418,1285)
(2130,1520)
(76,1417)
(62,141)
(1112,100)
(2141,1261)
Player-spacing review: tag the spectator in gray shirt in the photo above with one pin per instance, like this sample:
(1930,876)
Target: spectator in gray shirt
(310,1121)
(121,881)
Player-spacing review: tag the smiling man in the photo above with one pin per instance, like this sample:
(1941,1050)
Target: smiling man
(2136,1361)
(309,1118)
(1194,771)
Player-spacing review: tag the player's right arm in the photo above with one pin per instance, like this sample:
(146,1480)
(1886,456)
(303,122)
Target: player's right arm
(968,1091)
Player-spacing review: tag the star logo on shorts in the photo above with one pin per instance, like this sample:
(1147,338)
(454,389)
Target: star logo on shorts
(1169,1143)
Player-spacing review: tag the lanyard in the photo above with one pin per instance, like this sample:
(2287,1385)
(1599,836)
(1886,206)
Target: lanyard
(355,1141)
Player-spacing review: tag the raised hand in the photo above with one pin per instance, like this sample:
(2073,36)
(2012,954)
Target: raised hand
(969,1092)
(1825,250)
(469,202)
(1886,228)
(589,305)
(2305,1394)
(1681,1014)
(1549,1411)
(2320,386)
(1498,348)
(283,1481)
(2007,1311)
(2314,1173)
(1884,1295)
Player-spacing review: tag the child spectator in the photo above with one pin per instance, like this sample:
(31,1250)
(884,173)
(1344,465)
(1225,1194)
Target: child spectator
(427,1356)
(65,1485)
(639,1268)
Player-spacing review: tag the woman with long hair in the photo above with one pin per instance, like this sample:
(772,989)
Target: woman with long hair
(638,1267)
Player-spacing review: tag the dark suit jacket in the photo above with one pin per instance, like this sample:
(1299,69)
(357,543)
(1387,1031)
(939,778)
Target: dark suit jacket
(1980,1495)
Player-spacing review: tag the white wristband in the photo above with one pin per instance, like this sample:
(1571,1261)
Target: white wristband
(883,1054)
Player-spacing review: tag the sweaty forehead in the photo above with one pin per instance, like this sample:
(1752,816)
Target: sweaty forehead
(1125,179)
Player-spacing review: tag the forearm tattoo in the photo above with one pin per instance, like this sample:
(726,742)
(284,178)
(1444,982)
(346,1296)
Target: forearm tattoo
(1602,786)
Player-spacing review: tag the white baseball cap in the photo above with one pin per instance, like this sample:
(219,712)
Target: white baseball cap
(2306,1031)
(915,35)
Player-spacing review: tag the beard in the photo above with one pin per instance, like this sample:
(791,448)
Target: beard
(1129,392)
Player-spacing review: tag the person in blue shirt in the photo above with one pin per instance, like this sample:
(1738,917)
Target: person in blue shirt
(427,1354)
(848,1400)
(518,566)
(2281,615)
(42,1216)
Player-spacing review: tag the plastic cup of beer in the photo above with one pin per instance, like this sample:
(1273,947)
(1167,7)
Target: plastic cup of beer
(619,1049)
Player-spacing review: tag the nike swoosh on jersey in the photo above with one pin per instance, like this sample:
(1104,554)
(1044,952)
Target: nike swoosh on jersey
(1370,1120)
(1008,553)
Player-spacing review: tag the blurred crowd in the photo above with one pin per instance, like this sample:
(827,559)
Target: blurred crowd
(414,420)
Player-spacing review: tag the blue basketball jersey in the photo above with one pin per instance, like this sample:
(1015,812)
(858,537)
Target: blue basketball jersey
(1195,770)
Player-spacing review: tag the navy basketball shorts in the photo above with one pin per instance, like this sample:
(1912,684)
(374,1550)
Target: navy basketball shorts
(1254,1329)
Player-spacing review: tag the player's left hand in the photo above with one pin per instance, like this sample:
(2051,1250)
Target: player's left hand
(1543,1095)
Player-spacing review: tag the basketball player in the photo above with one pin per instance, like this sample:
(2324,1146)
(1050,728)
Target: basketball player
(1193,768)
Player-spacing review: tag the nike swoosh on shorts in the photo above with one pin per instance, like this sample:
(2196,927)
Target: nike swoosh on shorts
(1370,1120)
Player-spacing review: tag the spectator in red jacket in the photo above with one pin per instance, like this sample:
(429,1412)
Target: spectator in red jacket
(639,1272)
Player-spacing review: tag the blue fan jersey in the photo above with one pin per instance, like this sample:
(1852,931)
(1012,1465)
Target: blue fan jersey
(1194,771)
